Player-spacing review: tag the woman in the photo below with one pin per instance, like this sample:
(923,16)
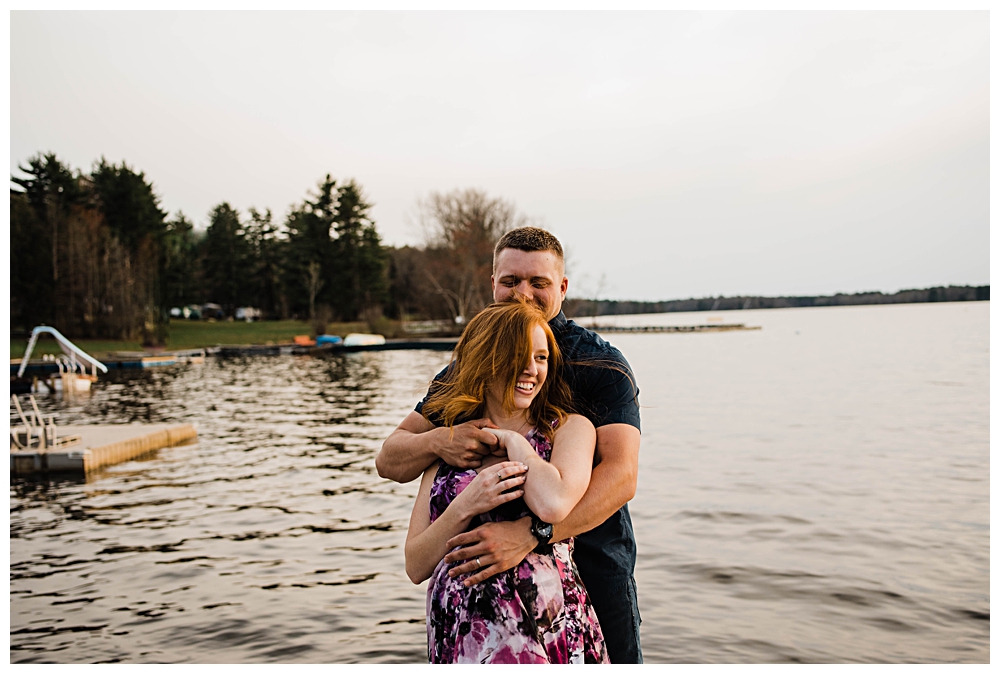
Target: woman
(537,612)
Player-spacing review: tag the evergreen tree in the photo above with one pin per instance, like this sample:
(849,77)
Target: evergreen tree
(310,244)
(180,262)
(70,266)
(132,213)
(130,207)
(226,258)
(265,246)
(360,260)
(38,220)
(31,283)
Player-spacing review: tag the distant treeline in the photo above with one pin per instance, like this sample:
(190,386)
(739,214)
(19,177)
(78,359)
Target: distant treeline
(93,254)
(615,307)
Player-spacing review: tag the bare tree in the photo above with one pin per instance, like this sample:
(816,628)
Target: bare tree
(314,283)
(460,230)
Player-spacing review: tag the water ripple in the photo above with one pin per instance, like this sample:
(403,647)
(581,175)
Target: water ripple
(813,497)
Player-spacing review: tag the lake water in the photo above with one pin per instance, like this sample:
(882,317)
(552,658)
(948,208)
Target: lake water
(816,491)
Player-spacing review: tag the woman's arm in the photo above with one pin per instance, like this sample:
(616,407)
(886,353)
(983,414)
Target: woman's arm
(426,541)
(554,487)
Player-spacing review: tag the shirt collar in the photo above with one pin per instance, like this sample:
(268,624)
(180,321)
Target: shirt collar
(559,322)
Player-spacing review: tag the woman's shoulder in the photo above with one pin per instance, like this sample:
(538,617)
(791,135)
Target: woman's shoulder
(575,421)
(570,419)
(573,427)
(575,435)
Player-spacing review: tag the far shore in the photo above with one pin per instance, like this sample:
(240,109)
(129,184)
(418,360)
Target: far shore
(186,334)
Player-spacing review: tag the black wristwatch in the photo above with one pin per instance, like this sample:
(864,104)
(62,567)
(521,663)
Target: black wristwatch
(543,532)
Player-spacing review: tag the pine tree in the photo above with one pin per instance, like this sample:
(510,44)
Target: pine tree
(129,204)
(360,271)
(132,213)
(180,262)
(310,244)
(38,221)
(226,258)
(264,243)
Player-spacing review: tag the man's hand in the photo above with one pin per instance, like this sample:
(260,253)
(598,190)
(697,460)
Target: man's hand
(490,549)
(416,444)
(468,445)
(511,444)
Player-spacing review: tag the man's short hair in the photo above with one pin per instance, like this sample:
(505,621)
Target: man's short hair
(530,240)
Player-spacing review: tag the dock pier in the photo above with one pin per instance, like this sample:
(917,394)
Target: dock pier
(99,446)
(719,327)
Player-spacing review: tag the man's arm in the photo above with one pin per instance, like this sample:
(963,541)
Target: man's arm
(503,545)
(612,482)
(417,443)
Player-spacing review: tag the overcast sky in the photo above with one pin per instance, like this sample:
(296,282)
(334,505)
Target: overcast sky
(678,154)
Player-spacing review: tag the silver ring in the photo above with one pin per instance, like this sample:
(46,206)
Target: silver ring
(479,564)
(499,479)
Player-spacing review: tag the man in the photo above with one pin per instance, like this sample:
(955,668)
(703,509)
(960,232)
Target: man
(529,262)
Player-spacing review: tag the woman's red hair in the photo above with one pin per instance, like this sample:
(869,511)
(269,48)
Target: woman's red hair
(496,346)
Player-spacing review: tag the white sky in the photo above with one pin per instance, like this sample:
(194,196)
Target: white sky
(679,154)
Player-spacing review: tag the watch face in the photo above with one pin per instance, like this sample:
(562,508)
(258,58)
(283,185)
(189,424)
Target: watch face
(543,531)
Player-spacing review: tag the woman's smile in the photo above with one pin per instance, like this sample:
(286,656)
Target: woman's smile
(531,379)
(529,382)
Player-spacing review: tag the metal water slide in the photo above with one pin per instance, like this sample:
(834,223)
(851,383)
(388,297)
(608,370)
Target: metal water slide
(74,352)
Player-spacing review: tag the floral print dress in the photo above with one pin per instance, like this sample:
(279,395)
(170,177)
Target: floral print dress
(537,612)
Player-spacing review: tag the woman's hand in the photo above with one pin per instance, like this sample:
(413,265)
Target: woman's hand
(494,486)
(516,445)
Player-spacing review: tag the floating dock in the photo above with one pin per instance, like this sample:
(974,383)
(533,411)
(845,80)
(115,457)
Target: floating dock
(116,360)
(721,327)
(141,359)
(99,446)
(238,350)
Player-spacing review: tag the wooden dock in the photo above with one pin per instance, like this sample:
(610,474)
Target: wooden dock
(99,446)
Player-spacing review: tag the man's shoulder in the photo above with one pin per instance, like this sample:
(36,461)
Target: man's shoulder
(577,342)
(601,380)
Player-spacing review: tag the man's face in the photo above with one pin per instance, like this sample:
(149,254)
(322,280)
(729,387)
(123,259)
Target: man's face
(537,275)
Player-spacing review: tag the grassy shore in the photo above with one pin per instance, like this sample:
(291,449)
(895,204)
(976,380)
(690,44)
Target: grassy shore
(199,334)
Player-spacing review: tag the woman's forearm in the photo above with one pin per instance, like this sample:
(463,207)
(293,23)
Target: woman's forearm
(425,550)
(554,487)
(546,491)
(426,541)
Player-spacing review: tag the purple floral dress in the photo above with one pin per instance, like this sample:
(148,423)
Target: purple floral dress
(537,612)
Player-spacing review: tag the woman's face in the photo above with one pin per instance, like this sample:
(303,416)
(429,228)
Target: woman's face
(530,380)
